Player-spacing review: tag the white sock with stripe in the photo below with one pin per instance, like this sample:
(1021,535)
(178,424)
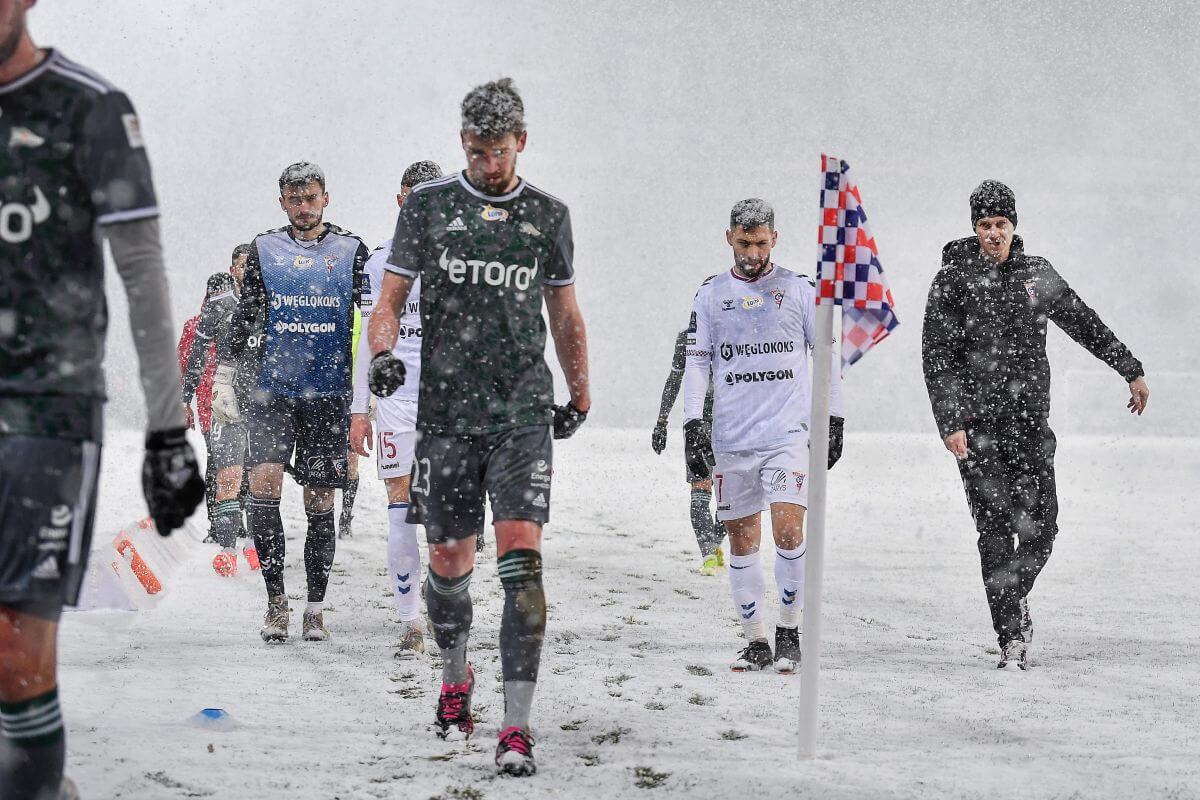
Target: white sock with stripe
(404,562)
(749,593)
(789,577)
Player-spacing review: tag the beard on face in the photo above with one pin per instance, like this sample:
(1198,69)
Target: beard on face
(751,269)
(9,45)
(307,223)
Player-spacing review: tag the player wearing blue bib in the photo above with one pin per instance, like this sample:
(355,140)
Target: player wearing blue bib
(301,285)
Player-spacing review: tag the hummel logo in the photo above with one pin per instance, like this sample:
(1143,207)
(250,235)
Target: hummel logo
(456,224)
(47,570)
(789,597)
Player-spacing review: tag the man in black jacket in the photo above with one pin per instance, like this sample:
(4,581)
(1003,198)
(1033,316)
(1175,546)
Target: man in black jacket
(984,354)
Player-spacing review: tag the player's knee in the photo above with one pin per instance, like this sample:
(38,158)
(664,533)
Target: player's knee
(517,534)
(454,558)
(27,659)
(318,500)
(397,489)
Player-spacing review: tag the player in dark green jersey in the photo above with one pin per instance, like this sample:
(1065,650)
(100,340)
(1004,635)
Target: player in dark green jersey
(488,248)
(73,173)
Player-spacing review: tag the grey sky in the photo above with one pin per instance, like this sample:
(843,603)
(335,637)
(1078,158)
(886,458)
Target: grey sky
(652,119)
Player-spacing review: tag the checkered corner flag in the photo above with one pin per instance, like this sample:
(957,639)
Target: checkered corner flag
(848,267)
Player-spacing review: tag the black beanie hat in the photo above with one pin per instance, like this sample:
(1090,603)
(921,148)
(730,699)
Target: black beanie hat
(993,199)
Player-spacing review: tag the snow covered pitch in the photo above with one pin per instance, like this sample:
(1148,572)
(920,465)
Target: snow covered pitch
(635,695)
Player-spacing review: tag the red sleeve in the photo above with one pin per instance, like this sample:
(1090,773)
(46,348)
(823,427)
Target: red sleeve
(185,341)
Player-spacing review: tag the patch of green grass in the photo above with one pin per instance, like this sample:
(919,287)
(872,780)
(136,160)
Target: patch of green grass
(612,736)
(647,778)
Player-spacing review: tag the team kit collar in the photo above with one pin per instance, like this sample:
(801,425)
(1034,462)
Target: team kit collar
(491,198)
(49,56)
(770,271)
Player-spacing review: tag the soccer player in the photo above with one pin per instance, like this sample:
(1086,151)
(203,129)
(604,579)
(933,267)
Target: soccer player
(345,529)
(752,330)
(227,439)
(488,248)
(203,412)
(709,531)
(298,294)
(396,418)
(75,172)
(984,356)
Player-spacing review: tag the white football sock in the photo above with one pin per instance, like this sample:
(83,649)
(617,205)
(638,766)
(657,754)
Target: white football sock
(749,593)
(789,577)
(404,562)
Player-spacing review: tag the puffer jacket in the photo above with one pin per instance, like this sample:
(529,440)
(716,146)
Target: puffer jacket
(983,345)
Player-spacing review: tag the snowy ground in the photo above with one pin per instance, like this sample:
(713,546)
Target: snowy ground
(635,696)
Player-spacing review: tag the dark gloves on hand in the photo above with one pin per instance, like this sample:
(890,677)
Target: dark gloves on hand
(658,439)
(567,420)
(171,479)
(697,447)
(836,426)
(385,375)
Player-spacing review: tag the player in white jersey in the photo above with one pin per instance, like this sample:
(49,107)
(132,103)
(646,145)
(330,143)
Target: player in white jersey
(396,429)
(753,327)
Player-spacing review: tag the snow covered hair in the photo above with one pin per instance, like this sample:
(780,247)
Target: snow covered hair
(750,213)
(419,172)
(301,173)
(240,250)
(493,110)
(218,282)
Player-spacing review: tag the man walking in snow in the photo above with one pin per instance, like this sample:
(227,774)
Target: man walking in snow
(75,174)
(489,249)
(752,332)
(984,354)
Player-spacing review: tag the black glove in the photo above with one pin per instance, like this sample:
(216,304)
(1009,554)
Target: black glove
(836,425)
(385,375)
(697,447)
(171,479)
(658,439)
(567,420)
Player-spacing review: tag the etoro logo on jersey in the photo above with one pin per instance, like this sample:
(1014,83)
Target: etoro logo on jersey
(17,219)
(491,273)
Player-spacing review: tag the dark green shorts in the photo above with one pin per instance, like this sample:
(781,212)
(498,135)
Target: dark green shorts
(47,505)
(453,475)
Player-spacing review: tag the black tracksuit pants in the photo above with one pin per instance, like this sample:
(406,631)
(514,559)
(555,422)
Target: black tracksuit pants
(1009,479)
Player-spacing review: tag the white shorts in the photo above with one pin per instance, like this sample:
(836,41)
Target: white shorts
(395,437)
(749,481)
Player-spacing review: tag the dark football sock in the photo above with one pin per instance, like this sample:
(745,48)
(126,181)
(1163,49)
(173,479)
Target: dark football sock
(522,628)
(448,601)
(32,748)
(266,526)
(319,548)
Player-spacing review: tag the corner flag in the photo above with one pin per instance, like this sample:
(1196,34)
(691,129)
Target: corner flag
(850,274)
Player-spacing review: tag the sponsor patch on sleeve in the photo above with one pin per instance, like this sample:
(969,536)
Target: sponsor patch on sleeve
(133,131)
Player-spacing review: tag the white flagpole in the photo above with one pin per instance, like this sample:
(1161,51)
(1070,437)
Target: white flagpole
(810,662)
